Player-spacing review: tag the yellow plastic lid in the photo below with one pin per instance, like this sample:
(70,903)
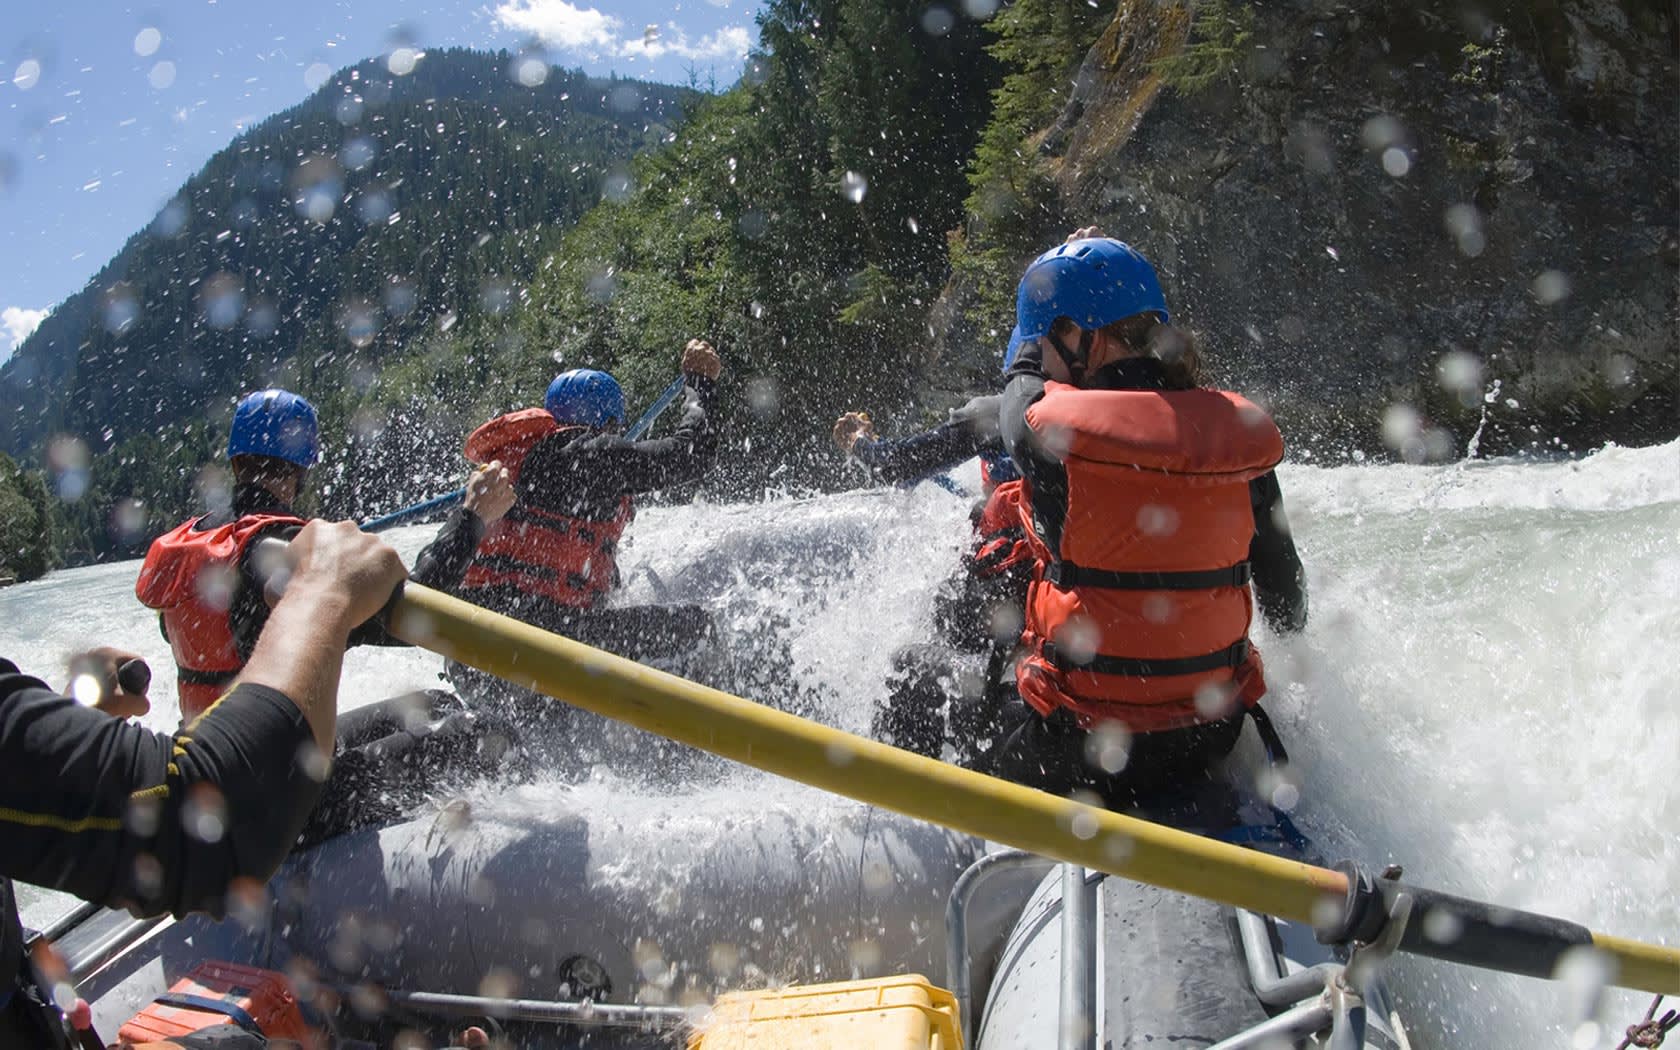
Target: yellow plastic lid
(904,1012)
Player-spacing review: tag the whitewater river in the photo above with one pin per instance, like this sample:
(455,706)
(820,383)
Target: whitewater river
(1486,694)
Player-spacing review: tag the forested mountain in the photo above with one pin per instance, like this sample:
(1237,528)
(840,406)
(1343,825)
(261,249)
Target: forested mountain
(316,251)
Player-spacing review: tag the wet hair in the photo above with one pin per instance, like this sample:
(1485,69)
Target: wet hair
(258,470)
(1176,348)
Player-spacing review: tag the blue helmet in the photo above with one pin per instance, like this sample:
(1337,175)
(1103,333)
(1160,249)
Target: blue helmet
(278,424)
(1094,282)
(585,397)
(997,468)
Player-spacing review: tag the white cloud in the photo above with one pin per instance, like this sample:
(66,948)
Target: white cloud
(565,27)
(560,25)
(16,322)
(729,42)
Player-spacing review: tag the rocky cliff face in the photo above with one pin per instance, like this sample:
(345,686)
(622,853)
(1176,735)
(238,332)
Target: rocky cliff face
(1378,212)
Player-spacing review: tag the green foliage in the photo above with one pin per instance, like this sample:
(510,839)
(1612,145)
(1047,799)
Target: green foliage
(1012,200)
(1219,42)
(141,487)
(798,221)
(26,550)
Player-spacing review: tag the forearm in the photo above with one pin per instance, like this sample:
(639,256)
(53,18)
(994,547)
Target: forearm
(301,654)
(444,561)
(917,456)
(1280,581)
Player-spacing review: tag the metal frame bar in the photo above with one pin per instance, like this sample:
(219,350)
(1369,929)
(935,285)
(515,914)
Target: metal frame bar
(1288,1027)
(1077,1025)
(543,1011)
(958,964)
(1273,987)
(103,946)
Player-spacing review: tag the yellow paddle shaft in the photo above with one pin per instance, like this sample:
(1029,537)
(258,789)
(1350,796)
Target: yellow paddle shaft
(924,788)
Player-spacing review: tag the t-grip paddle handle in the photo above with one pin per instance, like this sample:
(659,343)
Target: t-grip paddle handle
(134,677)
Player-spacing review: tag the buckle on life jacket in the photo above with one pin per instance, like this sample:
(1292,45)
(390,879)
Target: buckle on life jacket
(1228,658)
(1067,575)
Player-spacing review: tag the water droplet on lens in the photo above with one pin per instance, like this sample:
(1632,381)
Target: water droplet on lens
(27,74)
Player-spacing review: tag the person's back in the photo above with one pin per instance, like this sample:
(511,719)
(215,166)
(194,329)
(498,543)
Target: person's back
(554,557)
(553,561)
(191,574)
(203,580)
(1150,506)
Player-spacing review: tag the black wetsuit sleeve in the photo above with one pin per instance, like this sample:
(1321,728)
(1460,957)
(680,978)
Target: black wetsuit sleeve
(127,817)
(596,471)
(443,562)
(1043,472)
(1280,583)
(971,431)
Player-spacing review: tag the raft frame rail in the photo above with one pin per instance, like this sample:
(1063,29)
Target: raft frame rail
(958,960)
(581,1012)
(1325,998)
(1077,1020)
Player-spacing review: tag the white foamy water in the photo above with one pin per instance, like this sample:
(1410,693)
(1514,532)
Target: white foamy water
(1486,693)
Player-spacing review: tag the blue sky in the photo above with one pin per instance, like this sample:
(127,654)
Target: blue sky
(107,108)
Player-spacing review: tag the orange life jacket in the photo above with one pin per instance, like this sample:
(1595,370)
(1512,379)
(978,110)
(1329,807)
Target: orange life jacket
(568,560)
(1142,613)
(1002,540)
(510,438)
(190,577)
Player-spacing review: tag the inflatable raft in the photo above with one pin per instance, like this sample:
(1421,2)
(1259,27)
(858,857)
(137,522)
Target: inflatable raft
(588,915)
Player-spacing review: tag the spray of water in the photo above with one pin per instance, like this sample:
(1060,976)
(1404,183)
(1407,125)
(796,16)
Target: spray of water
(1484,694)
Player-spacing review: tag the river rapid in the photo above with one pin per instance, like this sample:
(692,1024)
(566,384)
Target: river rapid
(1485,694)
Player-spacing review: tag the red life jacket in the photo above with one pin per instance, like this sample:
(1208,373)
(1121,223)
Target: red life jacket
(1142,613)
(568,560)
(510,438)
(190,577)
(1002,540)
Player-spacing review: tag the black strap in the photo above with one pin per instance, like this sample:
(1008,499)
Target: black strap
(520,513)
(1275,754)
(188,676)
(1231,656)
(232,1011)
(508,564)
(1067,575)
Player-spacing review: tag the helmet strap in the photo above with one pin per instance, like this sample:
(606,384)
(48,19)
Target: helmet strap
(1076,362)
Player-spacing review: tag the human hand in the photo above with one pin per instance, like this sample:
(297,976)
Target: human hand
(1085,233)
(490,492)
(849,428)
(351,572)
(110,680)
(700,359)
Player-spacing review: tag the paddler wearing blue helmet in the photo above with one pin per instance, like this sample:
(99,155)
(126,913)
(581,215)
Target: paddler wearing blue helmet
(201,576)
(554,559)
(1155,521)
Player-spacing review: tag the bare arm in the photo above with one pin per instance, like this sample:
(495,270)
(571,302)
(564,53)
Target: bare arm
(340,577)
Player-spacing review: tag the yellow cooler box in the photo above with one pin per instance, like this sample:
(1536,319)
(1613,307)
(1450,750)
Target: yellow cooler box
(884,1013)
